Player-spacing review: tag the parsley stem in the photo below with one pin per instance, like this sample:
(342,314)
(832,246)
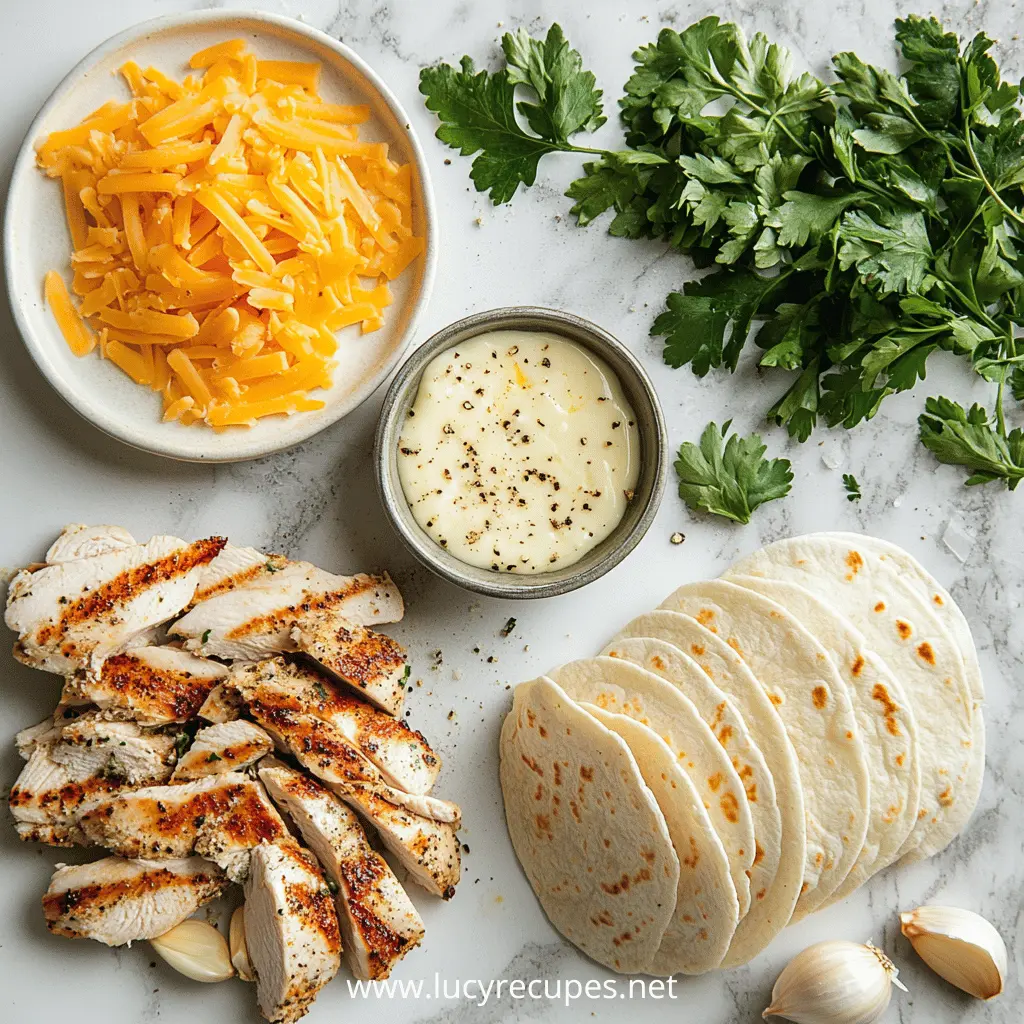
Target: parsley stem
(984,180)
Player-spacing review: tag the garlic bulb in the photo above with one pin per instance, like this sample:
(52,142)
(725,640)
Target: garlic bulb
(197,950)
(239,950)
(835,983)
(960,946)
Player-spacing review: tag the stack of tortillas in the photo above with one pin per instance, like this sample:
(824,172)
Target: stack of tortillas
(752,751)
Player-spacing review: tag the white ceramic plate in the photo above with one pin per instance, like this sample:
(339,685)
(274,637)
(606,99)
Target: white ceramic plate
(36,238)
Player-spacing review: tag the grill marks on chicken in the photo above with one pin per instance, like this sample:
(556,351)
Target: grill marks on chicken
(379,923)
(152,685)
(291,930)
(71,767)
(254,619)
(221,817)
(371,663)
(403,757)
(106,769)
(115,901)
(70,612)
(268,691)
(216,749)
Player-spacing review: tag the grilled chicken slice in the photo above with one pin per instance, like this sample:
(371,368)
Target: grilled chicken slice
(221,705)
(320,745)
(235,567)
(28,739)
(427,849)
(70,613)
(150,685)
(77,764)
(221,817)
(291,930)
(115,901)
(403,756)
(77,540)
(222,748)
(255,619)
(371,663)
(379,923)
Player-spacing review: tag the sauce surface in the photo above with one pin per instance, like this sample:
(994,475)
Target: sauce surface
(520,451)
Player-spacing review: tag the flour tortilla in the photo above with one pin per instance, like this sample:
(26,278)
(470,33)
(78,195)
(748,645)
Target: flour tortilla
(901,628)
(886,722)
(770,909)
(815,707)
(707,911)
(948,612)
(624,689)
(586,829)
(728,727)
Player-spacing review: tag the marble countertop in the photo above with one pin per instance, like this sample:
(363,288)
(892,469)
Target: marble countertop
(318,502)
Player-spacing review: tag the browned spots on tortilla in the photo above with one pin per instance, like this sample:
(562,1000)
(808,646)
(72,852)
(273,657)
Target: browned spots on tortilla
(903,628)
(938,600)
(804,887)
(900,758)
(760,894)
(820,696)
(697,649)
(705,617)
(758,853)
(128,585)
(714,781)
(558,773)
(532,765)
(617,887)
(586,774)
(880,607)
(287,614)
(730,807)
(946,797)
(603,918)
(925,652)
(775,699)
(694,859)
(858,665)
(889,709)
(724,735)
(735,645)
(543,732)
(543,823)
(658,662)
(539,791)
(648,855)
(854,563)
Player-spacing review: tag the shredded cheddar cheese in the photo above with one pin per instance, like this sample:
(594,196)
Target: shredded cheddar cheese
(223,229)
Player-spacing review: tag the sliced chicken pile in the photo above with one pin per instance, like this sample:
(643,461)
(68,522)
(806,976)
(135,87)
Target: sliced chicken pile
(186,667)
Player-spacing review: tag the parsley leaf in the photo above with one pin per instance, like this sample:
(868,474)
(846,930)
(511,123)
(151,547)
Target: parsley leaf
(477,109)
(730,479)
(968,438)
(852,487)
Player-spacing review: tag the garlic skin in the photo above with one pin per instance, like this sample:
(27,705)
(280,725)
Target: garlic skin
(960,946)
(197,950)
(239,950)
(835,983)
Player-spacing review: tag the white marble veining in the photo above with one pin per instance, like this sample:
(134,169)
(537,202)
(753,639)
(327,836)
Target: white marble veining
(318,502)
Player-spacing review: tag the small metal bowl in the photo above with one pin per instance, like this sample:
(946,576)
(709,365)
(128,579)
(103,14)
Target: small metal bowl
(640,511)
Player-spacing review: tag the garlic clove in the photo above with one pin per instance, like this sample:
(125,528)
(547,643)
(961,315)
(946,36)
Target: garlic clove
(197,950)
(239,950)
(835,983)
(960,946)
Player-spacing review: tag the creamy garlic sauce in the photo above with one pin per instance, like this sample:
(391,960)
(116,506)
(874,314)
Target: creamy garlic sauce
(520,451)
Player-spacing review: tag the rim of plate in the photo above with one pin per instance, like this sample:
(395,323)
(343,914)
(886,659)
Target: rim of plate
(223,447)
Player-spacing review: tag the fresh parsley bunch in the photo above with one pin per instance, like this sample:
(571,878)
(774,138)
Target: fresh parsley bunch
(862,224)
